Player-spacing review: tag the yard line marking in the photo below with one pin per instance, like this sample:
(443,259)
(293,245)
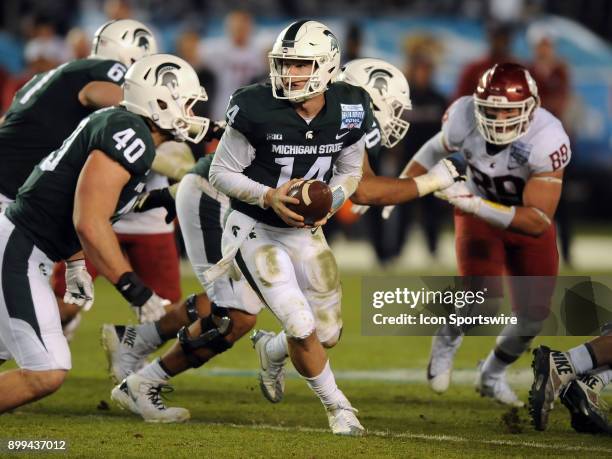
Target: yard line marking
(520,378)
(417,436)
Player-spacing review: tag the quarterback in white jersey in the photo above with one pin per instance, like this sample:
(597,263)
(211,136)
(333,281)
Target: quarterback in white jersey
(516,153)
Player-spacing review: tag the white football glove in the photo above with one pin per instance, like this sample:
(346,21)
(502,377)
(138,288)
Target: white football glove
(153,309)
(359,209)
(443,174)
(79,285)
(386,212)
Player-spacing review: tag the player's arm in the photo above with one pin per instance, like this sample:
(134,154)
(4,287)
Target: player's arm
(93,210)
(347,172)
(99,94)
(540,199)
(233,155)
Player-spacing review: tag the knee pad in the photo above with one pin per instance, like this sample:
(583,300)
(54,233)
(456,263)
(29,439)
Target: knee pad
(214,329)
(322,271)
(271,264)
(191,308)
(332,340)
(299,324)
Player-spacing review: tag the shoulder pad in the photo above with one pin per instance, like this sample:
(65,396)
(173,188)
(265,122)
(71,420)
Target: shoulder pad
(458,121)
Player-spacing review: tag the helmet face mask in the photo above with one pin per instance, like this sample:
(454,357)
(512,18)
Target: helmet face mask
(390,94)
(124,40)
(504,103)
(307,52)
(165,89)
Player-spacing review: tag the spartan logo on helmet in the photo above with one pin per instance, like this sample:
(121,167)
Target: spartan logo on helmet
(379,80)
(141,38)
(334,41)
(166,73)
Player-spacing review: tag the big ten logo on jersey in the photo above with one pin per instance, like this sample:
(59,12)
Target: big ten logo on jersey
(352,116)
(560,157)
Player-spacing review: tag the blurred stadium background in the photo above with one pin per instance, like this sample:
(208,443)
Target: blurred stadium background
(442,45)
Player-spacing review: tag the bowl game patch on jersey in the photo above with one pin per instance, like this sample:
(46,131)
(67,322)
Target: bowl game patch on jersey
(352,116)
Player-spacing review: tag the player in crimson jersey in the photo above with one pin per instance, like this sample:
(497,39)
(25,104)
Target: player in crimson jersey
(516,153)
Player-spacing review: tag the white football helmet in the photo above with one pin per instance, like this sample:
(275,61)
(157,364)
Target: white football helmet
(165,88)
(124,40)
(303,41)
(389,91)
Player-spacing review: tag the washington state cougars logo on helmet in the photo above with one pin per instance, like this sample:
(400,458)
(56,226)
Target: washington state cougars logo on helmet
(379,80)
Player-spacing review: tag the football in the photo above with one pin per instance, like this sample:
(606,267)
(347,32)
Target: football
(315,200)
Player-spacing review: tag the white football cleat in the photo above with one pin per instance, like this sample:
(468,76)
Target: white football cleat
(118,342)
(143,396)
(496,388)
(271,374)
(342,420)
(440,367)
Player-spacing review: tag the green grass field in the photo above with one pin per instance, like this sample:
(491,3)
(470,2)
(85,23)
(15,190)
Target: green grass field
(231,419)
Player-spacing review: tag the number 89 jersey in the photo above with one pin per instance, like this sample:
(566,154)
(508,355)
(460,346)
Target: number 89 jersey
(45,203)
(501,177)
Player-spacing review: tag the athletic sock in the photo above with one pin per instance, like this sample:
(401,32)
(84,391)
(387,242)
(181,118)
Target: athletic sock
(155,371)
(326,389)
(277,348)
(147,339)
(493,366)
(581,359)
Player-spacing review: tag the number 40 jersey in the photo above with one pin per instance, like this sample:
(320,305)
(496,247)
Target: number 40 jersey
(501,177)
(45,203)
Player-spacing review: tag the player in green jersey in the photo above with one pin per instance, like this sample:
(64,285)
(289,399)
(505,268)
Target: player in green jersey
(201,210)
(67,206)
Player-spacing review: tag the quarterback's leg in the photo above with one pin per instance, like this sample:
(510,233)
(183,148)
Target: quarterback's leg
(30,327)
(479,253)
(264,259)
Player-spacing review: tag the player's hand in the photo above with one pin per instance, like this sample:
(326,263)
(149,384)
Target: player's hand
(460,196)
(79,285)
(154,199)
(277,198)
(152,310)
(359,209)
(147,305)
(215,130)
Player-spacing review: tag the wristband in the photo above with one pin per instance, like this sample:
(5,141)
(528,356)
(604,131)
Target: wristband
(496,214)
(133,289)
(426,184)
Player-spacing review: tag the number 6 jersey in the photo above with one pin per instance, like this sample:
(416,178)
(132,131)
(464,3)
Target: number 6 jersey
(501,177)
(44,205)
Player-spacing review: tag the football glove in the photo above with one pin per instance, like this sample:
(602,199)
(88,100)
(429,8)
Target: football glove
(79,285)
(154,199)
(146,304)
(462,198)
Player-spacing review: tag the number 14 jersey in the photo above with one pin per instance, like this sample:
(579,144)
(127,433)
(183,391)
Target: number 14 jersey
(501,177)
